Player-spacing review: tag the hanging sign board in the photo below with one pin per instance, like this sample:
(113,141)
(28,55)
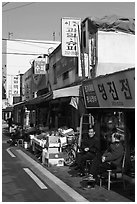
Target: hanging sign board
(116,90)
(40,66)
(71,28)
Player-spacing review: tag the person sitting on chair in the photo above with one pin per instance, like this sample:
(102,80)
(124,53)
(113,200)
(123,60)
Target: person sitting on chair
(111,159)
(88,150)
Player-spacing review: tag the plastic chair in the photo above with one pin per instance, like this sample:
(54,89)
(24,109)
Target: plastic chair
(114,172)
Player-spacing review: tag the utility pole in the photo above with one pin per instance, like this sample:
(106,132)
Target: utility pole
(10,34)
(53,36)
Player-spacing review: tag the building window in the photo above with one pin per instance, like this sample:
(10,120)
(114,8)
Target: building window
(66,75)
(55,73)
(16,86)
(84,39)
(15,92)
(15,82)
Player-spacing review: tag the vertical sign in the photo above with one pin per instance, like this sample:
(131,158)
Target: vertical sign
(71,28)
(40,66)
(90,97)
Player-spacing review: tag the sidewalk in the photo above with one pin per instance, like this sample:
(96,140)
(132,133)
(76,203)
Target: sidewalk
(97,194)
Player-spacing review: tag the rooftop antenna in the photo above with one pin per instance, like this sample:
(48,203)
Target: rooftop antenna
(10,34)
(53,36)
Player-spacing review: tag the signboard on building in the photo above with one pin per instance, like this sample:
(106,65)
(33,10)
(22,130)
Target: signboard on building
(115,90)
(71,36)
(90,97)
(40,66)
(15,85)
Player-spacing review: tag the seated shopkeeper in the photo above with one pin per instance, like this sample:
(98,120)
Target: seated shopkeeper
(88,150)
(111,159)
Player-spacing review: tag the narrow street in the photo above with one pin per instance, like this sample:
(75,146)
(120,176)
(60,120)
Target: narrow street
(68,102)
(19,183)
(25,180)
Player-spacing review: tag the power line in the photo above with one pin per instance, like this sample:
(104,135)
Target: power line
(29,44)
(15,53)
(18,7)
(31,41)
(5,4)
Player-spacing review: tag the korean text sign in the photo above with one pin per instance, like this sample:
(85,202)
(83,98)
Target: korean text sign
(71,36)
(90,97)
(40,66)
(116,90)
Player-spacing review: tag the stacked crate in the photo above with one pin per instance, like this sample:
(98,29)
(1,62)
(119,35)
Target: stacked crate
(51,154)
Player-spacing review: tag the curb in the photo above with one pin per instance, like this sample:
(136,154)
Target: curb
(62,189)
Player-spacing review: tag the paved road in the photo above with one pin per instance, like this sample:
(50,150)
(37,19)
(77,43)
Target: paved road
(20,183)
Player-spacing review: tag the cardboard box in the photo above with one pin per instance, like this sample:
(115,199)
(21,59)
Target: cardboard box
(53,150)
(52,158)
(54,162)
(53,139)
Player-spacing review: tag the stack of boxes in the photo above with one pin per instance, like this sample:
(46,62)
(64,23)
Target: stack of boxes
(51,154)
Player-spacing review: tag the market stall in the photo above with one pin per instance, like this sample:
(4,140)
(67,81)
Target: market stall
(49,145)
(110,99)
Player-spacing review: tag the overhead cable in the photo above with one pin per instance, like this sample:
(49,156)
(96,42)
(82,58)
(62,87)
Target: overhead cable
(20,40)
(5,4)
(15,53)
(18,7)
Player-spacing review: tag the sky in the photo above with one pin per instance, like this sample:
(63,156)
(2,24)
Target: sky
(39,20)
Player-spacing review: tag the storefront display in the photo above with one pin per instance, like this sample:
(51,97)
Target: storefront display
(49,145)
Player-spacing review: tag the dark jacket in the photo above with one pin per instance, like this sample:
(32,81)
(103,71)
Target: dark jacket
(114,154)
(92,143)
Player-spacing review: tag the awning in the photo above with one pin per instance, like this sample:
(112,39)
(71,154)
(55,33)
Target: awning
(60,93)
(20,104)
(66,92)
(40,99)
(8,109)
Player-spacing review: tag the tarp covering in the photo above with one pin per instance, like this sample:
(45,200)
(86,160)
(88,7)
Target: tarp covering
(40,99)
(66,92)
(113,23)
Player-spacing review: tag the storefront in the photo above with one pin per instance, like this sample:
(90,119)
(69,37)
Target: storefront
(110,99)
(19,113)
(55,109)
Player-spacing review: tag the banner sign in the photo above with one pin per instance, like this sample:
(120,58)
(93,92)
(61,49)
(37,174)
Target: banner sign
(115,90)
(40,66)
(71,29)
(90,97)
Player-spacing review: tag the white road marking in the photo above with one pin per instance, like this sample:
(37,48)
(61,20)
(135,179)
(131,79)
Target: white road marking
(35,178)
(11,154)
(62,189)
